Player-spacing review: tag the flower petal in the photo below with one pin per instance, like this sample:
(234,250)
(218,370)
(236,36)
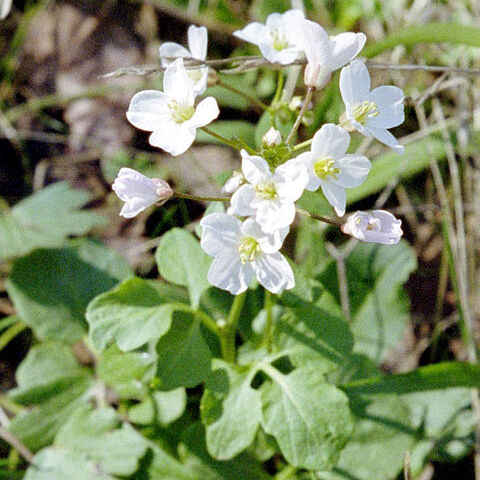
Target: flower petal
(134,206)
(255,169)
(148,110)
(274,214)
(219,232)
(174,138)
(353,170)
(274,272)
(335,194)
(354,83)
(291,178)
(241,201)
(171,50)
(130,184)
(389,101)
(316,44)
(345,47)
(229,273)
(330,141)
(254,32)
(177,85)
(198,41)
(387,138)
(284,56)
(206,111)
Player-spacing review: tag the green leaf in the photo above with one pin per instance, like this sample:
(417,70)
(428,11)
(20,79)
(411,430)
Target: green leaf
(125,373)
(183,356)
(193,451)
(231,411)
(52,288)
(427,33)
(95,434)
(132,314)
(431,377)
(378,303)
(231,130)
(182,261)
(162,408)
(390,165)
(50,380)
(45,219)
(308,417)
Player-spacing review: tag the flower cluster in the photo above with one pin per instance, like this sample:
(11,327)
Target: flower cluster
(246,240)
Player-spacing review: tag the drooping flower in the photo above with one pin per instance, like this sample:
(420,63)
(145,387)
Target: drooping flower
(330,168)
(325,55)
(139,192)
(377,226)
(371,112)
(171,114)
(242,251)
(197,49)
(270,198)
(280,39)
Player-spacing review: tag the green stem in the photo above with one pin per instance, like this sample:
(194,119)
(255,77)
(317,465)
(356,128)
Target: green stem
(331,221)
(269,320)
(227,333)
(302,111)
(11,333)
(278,92)
(203,317)
(8,321)
(226,141)
(304,144)
(201,199)
(10,406)
(254,100)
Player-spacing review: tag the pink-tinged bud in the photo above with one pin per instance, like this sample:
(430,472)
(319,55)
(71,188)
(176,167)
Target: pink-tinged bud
(377,226)
(272,138)
(139,192)
(233,183)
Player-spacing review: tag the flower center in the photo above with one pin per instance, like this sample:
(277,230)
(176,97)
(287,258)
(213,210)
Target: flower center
(180,113)
(266,191)
(364,111)
(325,167)
(279,41)
(374,225)
(248,249)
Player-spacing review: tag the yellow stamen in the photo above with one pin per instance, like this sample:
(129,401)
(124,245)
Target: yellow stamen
(325,167)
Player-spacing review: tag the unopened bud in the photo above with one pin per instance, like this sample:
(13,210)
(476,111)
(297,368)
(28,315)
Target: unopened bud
(295,103)
(212,78)
(233,183)
(272,138)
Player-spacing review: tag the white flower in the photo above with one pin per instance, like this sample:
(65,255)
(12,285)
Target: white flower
(371,112)
(280,40)
(272,137)
(170,115)
(139,192)
(5,7)
(325,55)
(270,198)
(233,183)
(197,44)
(242,250)
(330,168)
(377,226)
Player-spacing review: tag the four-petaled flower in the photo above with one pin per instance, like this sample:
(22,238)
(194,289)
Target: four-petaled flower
(171,114)
(242,251)
(371,112)
(330,168)
(197,44)
(325,55)
(270,198)
(280,39)
(377,226)
(139,192)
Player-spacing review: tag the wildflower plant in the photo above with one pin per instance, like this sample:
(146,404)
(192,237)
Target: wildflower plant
(240,362)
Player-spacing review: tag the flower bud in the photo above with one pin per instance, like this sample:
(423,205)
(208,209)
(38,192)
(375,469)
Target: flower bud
(139,192)
(212,78)
(272,138)
(233,183)
(378,226)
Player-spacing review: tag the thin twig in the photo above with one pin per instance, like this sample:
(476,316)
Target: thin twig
(301,113)
(243,94)
(331,221)
(15,443)
(201,199)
